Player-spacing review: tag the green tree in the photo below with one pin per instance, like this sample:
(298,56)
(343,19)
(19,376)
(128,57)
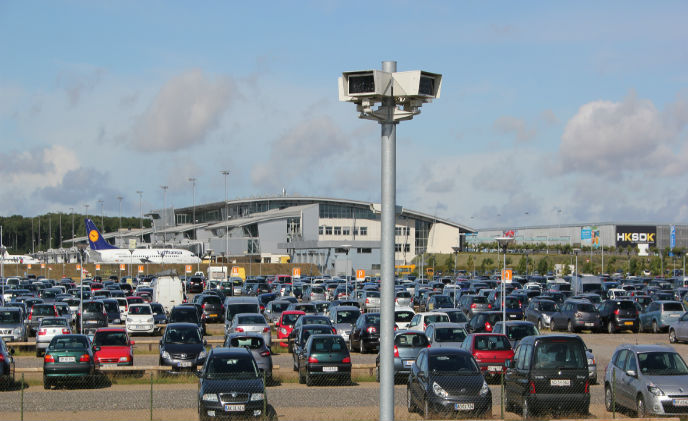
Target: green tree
(634,266)
(521,267)
(449,263)
(486,264)
(611,264)
(566,270)
(543,266)
(470,263)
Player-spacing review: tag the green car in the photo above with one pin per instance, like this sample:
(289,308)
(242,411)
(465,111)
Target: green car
(324,356)
(68,357)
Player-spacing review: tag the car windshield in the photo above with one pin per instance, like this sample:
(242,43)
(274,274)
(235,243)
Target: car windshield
(662,364)
(348,316)
(231,367)
(403,316)
(520,331)
(673,307)
(246,342)
(68,342)
(54,322)
(450,334)
(43,311)
(411,340)
(457,317)
(559,354)
(334,344)
(547,306)
(280,306)
(492,343)
(290,319)
(252,319)
(452,364)
(436,318)
(110,339)
(157,308)
(140,310)
(179,335)
(9,317)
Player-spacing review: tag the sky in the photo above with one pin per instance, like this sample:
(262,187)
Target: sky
(550,112)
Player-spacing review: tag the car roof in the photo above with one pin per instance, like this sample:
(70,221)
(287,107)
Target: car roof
(447,350)
(349,308)
(230,352)
(111,329)
(448,324)
(182,324)
(648,348)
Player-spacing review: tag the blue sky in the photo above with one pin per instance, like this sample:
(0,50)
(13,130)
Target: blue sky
(569,111)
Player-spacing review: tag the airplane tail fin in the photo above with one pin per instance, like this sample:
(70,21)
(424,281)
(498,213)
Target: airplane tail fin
(95,239)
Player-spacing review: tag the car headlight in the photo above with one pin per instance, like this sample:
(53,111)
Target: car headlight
(655,390)
(129,320)
(202,354)
(485,389)
(438,390)
(283,330)
(257,396)
(165,355)
(151,320)
(210,397)
(591,361)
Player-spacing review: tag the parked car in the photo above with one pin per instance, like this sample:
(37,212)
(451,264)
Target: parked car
(407,345)
(539,311)
(403,317)
(140,319)
(420,321)
(365,335)
(678,331)
(93,316)
(343,319)
(159,315)
(285,325)
(112,348)
(548,373)
(447,382)
(576,315)
(439,301)
(515,330)
(255,343)
(647,379)
(322,357)
(36,314)
(659,315)
(195,284)
(444,335)
(12,327)
(48,328)
(68,357)
(251,322)
(483,322)
(307,308)
(7,369)
(370,301)
(491,351)
(273,310)
(455,315)
(182,347)
(513,308)
(619,315)
(473,304)
(112,310)
(186,313)
(230,383)
(301,335)
(213,310)
(403,299)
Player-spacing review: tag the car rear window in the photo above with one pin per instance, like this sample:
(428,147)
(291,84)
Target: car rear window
(559,353)
(242,308)
(316,321)
(348,316)
(520,331)
(436,318)
(372,294)
(319,330)
(306,308)
(317,290)
(43,311)
(68,342)
(333,344)
(479,300)
(584,307)
(403,316)
(111,307)
(9,317)
(450,334)
(251,320)
(247,342)
(457,317)
(212,300)
(626,305)
(411,340)
(290,319)
(403,294)
(280,306)
(673,307)
(110,339)
(54,322)
(373,319)
(492,343)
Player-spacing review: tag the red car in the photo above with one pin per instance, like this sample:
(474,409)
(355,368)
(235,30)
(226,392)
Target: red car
(490,351)
(286,324)
(135,299)
(112,347)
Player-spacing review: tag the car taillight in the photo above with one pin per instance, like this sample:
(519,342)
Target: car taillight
(203,306)
(66,331)
(334,330)
(312,360)
(616,312)
(532,388)
(266,329)
(488,327)
(346,360)
(489,306)
(474,305)
(367,300)
(42,332)
(587,386)
(265,353)
(48,358)
(84,358)
(262,308)
(371,329)
(30,314)
(396,351)
(240,329)
(425,326)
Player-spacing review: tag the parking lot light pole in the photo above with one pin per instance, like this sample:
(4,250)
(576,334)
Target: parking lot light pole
(400,95)
(504,243)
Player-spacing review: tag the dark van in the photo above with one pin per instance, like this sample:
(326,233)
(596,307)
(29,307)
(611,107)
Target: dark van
(548,373)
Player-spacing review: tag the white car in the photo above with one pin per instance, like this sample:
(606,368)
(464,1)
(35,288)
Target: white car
(403,316)
(421,320)
(140,319)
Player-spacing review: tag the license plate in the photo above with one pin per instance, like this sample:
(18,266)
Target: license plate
(67,359)
(680,402)
(408,363)
(464,406)
(330,369)
(108,364)
(185,364)
(7,339)
(628,323)
(235,408)
(589,324)
(560,382)
(494,368)
(213,315)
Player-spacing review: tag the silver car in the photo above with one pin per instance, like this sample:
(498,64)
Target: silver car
(255,343)
(48,328)
(12,327)
(343,319)
(403,299)
(251,322)
(647,379)
(446,335)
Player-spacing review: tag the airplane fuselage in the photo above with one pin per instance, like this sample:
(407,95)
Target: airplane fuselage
(146,256)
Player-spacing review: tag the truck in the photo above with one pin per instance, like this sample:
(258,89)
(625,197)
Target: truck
(168,290)
(583,284)
(217,273)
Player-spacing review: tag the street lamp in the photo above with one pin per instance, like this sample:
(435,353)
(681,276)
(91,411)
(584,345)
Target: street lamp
(400,95)
(120,220)
(504,243)
(102,224)
(576,251)
(226,173)
(140,193)
(164,213)
(347,247)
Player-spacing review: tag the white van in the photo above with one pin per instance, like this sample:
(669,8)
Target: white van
(168,291)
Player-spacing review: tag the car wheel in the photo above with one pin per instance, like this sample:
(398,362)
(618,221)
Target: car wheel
(296,368)
(655,328)
(427,414)
(271,414)
(525,411)
(672,336)
(508,405)
(302,380)
(570,327)
(38,353)
(610,327)
(640,410)
(410,406)
(361,347)
(608,398)
(46,383)
(541,325)
(309,380)
(377,374)
(351,346)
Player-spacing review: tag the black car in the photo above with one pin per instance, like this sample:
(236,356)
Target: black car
(186,313)
(6,365)
(548,373)
(447,382)
(159,315)
(93,315)
(37,312)
(483,322)
(112,310)
(619,315)
(230,385)
(324,356)
(182,347)
(365,334)
(212,309)
(194,284)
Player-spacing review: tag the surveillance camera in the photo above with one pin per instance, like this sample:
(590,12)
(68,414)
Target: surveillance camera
(364,84)
(417,84)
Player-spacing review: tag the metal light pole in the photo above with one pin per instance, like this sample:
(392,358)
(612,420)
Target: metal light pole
(226,173)
(193,217)
(400,95)
(119,234)
(102,224)
(164,212)
(2,267)
(504,242)
(140,193)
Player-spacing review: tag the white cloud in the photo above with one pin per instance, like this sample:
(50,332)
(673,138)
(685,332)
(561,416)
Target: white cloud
(514,126)
(187,108)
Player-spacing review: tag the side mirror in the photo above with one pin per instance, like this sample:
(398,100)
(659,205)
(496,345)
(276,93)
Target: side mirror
(589,350)
(508,363)
(631,373)
(160,341)
(132,343)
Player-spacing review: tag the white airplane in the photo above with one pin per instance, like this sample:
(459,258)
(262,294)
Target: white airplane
(19,259)
(107,253)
